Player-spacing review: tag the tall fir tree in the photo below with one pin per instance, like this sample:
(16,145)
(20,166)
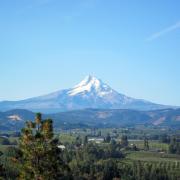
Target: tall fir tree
(2,170)
(40,153)
(124,141)
(146,144)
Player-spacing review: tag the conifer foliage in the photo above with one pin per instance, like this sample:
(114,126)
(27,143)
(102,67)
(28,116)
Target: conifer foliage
(40,153)
(1,168)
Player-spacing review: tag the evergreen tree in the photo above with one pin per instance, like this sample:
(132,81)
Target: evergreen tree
(124,141)
(107,138)
(2,170)
(78,141)
(174,146)
(146,144)
(40,153)
(85,140)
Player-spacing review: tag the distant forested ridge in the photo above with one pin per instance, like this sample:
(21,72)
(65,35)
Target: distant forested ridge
(15,119)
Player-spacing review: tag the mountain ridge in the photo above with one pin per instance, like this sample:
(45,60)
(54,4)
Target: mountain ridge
(15,119)
(89,93)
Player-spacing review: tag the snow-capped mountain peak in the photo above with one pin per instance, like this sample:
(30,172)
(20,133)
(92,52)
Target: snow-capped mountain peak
(89,93)
(90,84)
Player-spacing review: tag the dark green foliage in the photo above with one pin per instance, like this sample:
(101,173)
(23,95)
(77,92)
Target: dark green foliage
(146,144)
(4,141)
(2,170)
(92,161)
(164,138)
(85,140)
(174,146)
(124,141)
(107,139)
(147,171)
(78,141)
(10,162)
(40,154)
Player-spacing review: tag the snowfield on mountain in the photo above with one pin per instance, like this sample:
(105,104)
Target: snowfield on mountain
(89,93)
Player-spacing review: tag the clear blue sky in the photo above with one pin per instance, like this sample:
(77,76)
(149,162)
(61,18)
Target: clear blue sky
(133,45)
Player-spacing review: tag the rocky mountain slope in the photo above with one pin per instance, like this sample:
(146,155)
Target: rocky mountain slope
(89,93)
